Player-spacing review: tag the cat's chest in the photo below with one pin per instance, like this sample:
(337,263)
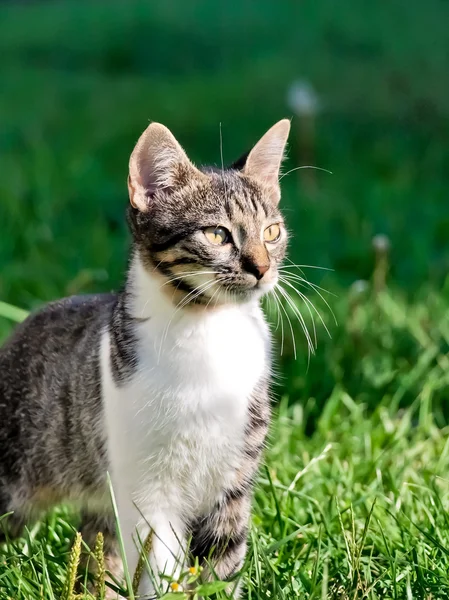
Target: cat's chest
(199,372)
(179,422)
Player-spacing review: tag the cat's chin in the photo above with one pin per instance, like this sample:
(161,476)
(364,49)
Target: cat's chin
(243,295)
(265,288)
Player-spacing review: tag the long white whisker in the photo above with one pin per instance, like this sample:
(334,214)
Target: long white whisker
(316,290)
(200,289)
(278,314)
(188,274)
(218,297)
(280,319)
(309,302)
(295,308)
(222,164)
(282,292)
(212,297)
(268,306)
(301,319)
(308,283)
(292,264)
(305,167)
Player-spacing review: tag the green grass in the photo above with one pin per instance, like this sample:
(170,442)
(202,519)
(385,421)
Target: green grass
(361,428)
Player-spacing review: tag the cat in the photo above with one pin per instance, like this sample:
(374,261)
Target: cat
(166,384)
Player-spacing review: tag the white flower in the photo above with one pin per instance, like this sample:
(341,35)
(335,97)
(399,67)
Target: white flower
(359,287)
(381,243)
(302,98)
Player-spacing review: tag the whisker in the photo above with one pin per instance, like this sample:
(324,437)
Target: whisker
(189,274)
(212,297)
(218,297)
(305,167)
(200,290)
(222,164)
(282,292)
(316,290)
(278,315)
(292,264)
(280,319)
(309,302)
(270,303)
(305,282)
(310,348)
(295,308)
(267,299)
(297,312)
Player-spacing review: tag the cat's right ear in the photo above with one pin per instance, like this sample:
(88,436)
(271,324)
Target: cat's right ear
(157,163)
(264,161)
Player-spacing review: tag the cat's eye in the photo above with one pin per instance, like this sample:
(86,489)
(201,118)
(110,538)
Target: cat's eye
(217,235)
(272,233)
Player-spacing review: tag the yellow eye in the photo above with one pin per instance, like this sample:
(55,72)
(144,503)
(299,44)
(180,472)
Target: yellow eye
(272,233)
(217,235)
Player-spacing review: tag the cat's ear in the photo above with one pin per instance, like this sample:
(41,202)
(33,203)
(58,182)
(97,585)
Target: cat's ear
(157,163)
(264,161)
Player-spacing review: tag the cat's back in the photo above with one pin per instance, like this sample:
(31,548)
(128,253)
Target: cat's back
(55,328)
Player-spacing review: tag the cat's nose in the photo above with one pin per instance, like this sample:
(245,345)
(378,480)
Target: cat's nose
(261,270)
(256,269)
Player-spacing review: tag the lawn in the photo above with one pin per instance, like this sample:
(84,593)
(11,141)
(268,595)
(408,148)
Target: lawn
(353,497)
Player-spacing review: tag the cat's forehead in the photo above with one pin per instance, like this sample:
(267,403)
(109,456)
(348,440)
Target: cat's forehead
(238,197)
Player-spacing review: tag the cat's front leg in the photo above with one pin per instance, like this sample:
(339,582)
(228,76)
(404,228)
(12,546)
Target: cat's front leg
(220,539)
(167,548)
(167,554)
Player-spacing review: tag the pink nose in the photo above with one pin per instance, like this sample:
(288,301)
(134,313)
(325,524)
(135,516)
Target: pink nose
(257,266)
(260,270)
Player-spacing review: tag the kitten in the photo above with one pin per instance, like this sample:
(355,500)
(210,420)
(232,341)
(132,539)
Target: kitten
(165,384)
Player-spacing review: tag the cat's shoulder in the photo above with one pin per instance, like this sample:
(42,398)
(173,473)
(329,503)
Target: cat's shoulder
(62,317)
(73,307)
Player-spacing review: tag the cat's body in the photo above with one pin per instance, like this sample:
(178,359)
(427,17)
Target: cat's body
(53,440)
(165,385)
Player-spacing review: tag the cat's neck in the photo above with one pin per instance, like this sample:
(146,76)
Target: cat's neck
(149,297)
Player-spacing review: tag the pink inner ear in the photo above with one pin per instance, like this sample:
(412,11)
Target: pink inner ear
(138,196)
(131,191)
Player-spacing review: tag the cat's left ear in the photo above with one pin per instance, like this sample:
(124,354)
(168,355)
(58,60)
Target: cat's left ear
(264,161)
(157,163)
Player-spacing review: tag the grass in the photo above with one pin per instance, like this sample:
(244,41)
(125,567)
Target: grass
(353,502)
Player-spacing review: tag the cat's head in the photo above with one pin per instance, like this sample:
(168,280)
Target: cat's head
(215,236)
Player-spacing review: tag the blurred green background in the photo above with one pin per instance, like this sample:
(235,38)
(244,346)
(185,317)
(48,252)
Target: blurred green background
(367,87)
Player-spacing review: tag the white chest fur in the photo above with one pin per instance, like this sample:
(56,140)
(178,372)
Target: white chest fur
(176,428)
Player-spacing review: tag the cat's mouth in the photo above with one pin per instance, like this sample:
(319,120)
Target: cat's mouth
(208,288)
(243,291)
